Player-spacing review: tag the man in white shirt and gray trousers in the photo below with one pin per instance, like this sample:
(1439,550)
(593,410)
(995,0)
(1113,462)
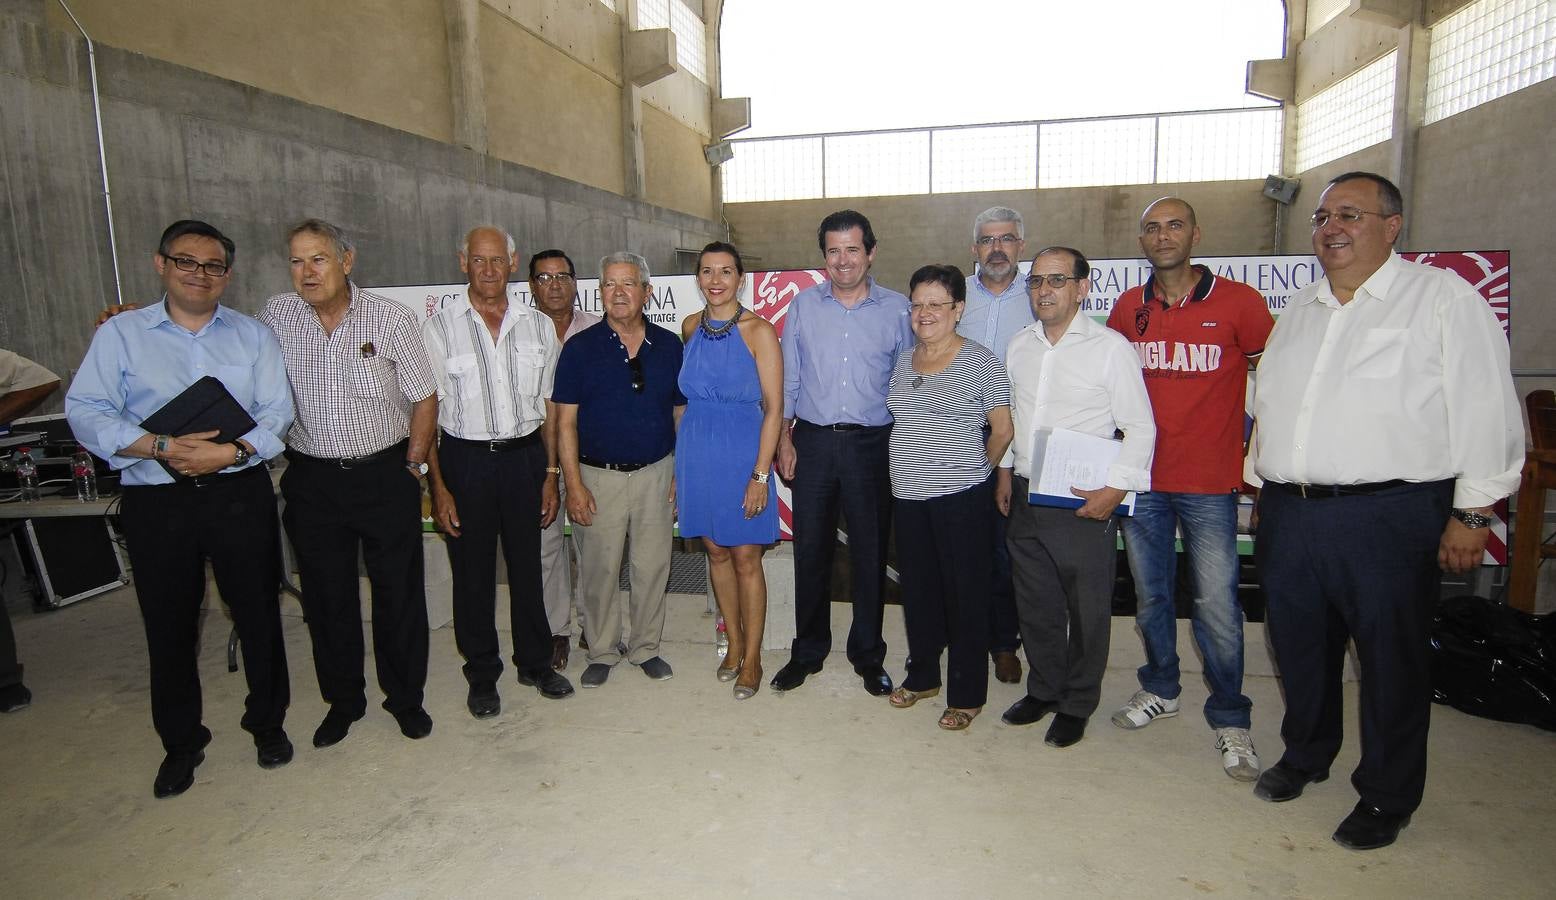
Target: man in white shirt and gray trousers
(1068,371)
(1386,427)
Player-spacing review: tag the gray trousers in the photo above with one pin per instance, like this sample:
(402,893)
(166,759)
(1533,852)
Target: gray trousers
(1063,568)
(638,502)
(556,575)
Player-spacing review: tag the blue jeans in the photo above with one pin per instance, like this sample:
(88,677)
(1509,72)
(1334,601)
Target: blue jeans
(1209,525)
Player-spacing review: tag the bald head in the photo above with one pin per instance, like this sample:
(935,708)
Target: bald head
(1173,205)
(1168,234)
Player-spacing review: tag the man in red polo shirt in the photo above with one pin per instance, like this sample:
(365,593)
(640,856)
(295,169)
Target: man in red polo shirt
(1197,336)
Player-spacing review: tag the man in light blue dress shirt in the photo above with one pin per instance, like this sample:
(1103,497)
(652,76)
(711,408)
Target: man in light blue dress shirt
(997,308)
(840,342)
(187,498)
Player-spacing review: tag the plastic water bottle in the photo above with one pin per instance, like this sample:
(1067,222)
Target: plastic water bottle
(27,475)
(721,639)
(84,469)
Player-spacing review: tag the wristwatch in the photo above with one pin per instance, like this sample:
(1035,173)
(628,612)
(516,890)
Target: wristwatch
(553,470)
(419,469)
(242,455)
(760,477)
(1471,519)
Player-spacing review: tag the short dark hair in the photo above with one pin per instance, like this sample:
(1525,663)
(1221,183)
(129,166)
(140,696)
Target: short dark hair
(948,277)
(843,220)
(1082,267)
(723,247)
(1389,197)
(198,228)
(550,254)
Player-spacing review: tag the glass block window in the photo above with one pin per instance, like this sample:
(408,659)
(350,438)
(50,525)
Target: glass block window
(783,169)
(1107,151)
(691,39)
(1218,146)
(609,4)
(876,165)
(998,158)
(1355,112)
(1319,12)
(1486,50)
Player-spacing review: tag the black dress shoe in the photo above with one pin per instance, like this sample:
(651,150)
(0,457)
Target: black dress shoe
(1065,731)
(334,728)
(551,684)
(414,723)
(483,700)
(876,681)
(1028,710)
(1283,781)
(275,748)
(14,697)
(176,774)
(793,674)
(1368,828)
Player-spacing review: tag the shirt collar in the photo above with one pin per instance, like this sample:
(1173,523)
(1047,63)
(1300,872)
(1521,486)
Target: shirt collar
(159,316)
(1202,287)
(1016,285)
(1377,285)
(872,296)
(1081,325)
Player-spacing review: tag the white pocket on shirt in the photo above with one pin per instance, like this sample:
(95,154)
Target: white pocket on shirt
(528,366)
(462,370)
(1379,353)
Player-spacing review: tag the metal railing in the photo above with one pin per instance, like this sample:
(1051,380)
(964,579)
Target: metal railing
(1203,145)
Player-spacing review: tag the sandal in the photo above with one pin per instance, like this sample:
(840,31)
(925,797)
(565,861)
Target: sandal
(902,698)
(958,719)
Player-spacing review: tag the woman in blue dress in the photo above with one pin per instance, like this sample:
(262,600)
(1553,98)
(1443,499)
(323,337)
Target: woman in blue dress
(732,376)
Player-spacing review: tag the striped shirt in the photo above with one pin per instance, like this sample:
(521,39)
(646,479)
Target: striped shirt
(353,388)
(937,444)
(491,390)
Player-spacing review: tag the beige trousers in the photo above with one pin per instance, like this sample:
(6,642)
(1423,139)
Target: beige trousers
(635,503)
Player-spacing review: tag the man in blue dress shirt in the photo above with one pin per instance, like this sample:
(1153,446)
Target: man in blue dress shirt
(840,342)
(219,506)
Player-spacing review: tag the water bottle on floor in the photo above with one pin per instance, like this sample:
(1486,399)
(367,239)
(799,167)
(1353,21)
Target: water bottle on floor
(84,469)
(721,639)
(27,475)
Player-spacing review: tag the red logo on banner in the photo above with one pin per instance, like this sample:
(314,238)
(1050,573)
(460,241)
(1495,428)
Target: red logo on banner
(1487,270)
(772,291)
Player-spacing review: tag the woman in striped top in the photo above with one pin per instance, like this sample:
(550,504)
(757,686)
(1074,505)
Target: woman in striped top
(951,402)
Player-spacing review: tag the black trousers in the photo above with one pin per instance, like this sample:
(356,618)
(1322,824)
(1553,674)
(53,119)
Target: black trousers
(944,553)
(840,473)
(1004,627)
(1363,568)
(10,669)
(330,512)
(498,497)
(171,530)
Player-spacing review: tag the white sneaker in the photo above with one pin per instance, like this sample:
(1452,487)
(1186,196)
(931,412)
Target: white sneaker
(1142,708)
(1237,754)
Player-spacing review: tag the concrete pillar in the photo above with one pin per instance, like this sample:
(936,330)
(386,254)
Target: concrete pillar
(467,84)
(631,109)
(1409,111)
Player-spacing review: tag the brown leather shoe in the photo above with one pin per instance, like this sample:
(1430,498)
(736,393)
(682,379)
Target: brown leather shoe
(1007,667)
(559,652)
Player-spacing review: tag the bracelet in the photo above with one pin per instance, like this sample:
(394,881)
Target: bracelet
(159,445)
(553,470)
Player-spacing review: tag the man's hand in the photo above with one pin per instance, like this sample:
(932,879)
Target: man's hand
(1461,548)
(580,505)
(786,456)
(1002,491)
(445,514)
(195,454)
(550,501)
(1100,503)
(112,311)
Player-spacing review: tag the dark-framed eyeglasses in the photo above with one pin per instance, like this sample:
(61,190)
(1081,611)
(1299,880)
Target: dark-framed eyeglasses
(635,365)
(545,278)
(1345,216)
(189,264)
(989,240)
(1054,281)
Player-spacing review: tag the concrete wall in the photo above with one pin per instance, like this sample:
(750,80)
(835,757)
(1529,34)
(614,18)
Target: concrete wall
(182,143)
(914,230)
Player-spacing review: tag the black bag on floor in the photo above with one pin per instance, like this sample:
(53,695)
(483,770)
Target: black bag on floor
(1494,662)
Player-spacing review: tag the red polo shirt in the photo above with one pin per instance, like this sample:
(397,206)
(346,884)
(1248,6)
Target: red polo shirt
(1195,352)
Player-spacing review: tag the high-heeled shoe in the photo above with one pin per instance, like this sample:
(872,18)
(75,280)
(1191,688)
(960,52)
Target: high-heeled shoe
(727,674)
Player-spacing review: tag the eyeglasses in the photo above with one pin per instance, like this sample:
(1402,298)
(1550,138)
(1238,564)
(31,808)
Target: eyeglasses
(1346,215)
(547,277)
(933,306)
(635,364)
(186,264)
(989,240)
(1054,281)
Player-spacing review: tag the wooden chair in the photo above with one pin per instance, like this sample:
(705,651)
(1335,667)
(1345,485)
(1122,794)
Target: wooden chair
(1539,475)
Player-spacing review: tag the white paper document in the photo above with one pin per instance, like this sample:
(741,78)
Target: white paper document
(1062,459)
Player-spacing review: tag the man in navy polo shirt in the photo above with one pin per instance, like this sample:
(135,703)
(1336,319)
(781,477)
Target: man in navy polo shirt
(618,405)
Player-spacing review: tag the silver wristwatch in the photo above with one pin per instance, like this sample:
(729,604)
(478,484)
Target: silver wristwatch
(760,477)
(1471,519)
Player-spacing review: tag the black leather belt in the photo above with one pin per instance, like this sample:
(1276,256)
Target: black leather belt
(350,462)
(200,481)
(614,467)
(500,445)
(1323,491)
(841,426)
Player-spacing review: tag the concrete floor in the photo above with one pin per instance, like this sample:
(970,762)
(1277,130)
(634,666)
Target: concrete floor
(649,789)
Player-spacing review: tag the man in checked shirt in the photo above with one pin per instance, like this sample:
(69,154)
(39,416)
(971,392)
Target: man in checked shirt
(367,408)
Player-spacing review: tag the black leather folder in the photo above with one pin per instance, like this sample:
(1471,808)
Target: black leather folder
(205,405)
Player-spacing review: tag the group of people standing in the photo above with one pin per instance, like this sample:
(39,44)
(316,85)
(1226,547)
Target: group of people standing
(1386,425)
